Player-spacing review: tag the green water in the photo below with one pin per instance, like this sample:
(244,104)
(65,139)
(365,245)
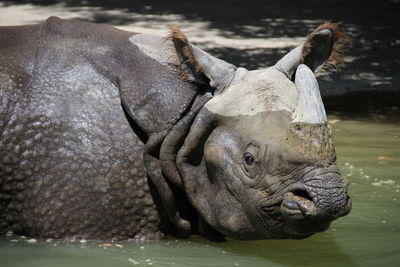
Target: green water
(369,156)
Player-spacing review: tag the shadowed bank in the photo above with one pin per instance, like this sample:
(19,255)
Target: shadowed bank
(236,32)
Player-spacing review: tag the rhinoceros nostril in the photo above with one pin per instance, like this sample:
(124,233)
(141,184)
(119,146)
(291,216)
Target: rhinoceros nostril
(302,193)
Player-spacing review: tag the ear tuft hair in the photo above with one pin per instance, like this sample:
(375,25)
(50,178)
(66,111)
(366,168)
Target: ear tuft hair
(340,41)
(187,65)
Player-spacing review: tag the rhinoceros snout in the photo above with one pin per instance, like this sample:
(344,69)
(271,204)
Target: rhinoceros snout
(318,199)
(328,191)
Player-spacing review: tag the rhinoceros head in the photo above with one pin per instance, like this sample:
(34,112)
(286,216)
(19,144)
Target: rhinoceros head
(258,161)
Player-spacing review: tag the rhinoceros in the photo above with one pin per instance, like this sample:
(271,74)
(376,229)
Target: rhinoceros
(108,134)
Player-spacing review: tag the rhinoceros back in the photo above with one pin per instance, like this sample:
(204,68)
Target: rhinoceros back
(70,164)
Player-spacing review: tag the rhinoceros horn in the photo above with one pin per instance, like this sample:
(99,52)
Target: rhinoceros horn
(310,108)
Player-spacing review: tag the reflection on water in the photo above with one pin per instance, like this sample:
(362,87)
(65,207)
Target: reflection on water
(368,155)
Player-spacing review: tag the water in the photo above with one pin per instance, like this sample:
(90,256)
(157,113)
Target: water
(369,156)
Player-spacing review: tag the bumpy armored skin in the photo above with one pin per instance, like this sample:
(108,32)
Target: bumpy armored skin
(71,165)
(108,134)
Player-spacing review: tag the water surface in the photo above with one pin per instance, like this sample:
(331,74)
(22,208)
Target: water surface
(368,155)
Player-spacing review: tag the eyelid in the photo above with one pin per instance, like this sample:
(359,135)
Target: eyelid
(252,170)
(253,149)
(254,152)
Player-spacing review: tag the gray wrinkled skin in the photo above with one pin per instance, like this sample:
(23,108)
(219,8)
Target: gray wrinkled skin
(71,165)
(101,138)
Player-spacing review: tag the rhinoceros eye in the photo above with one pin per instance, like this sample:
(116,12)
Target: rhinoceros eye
(249,159)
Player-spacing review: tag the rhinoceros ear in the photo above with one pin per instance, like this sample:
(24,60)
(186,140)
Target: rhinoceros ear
(321,50)
(196,65)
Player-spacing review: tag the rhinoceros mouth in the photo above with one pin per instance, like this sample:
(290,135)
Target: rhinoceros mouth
(301,214)
(301,217)
(296,207)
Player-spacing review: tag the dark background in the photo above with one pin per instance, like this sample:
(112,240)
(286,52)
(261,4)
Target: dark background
(369,84)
